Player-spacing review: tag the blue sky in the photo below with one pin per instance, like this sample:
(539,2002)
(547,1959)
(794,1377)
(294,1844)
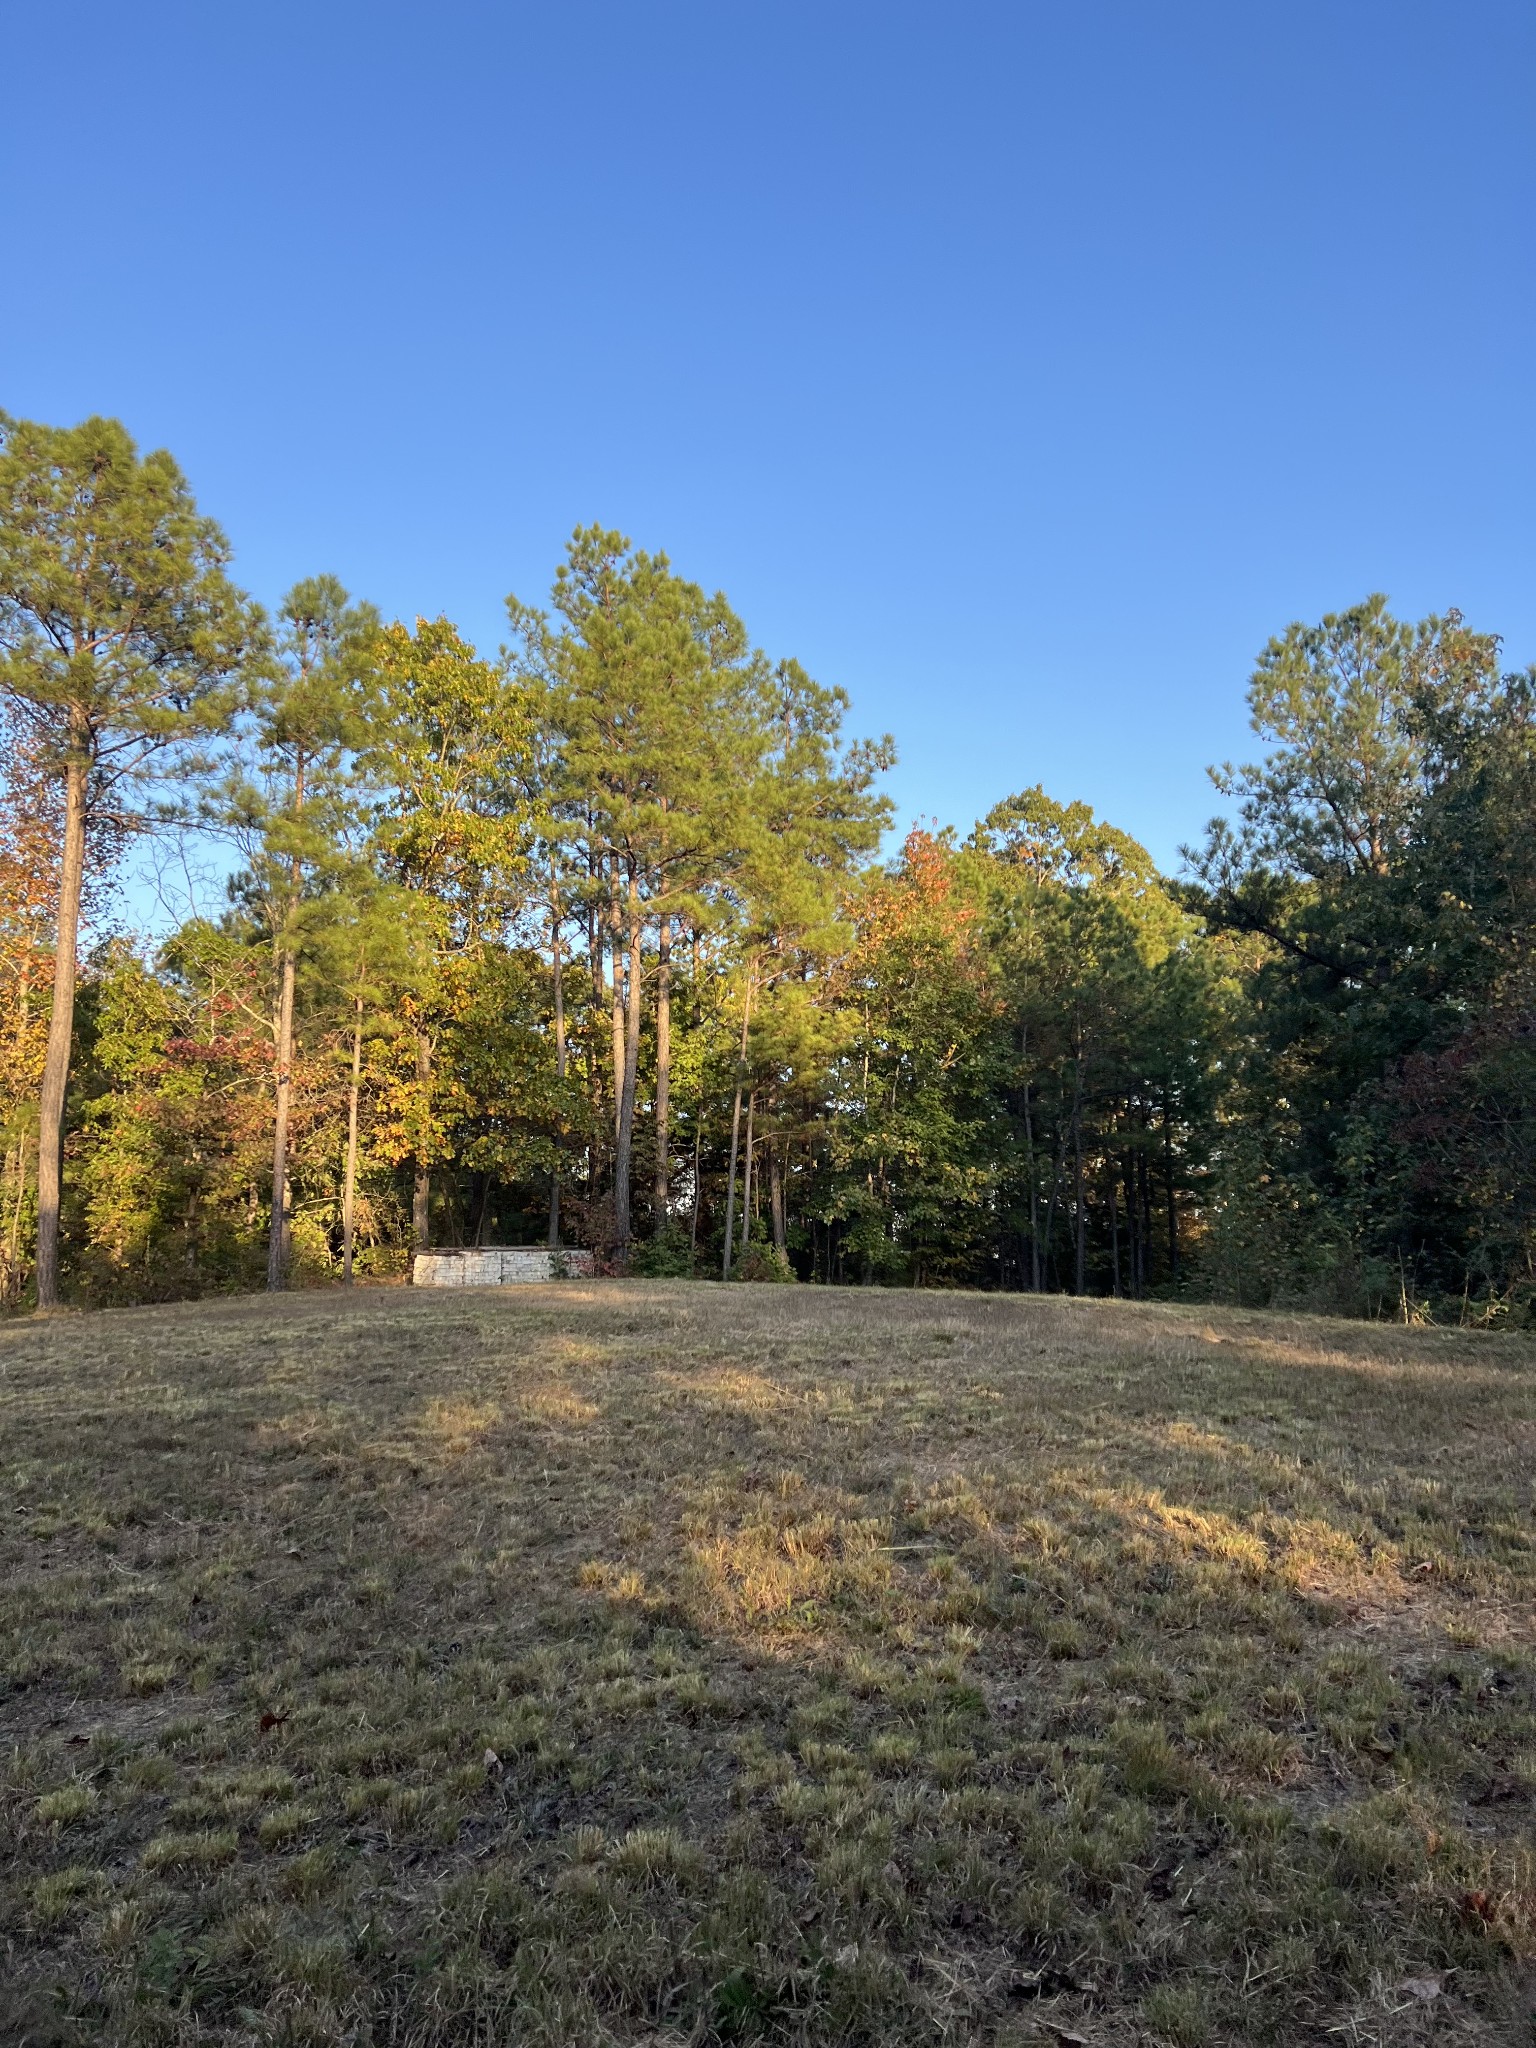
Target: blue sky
(1019,368)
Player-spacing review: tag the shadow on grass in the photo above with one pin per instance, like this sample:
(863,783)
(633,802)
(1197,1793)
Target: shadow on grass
(671,1663)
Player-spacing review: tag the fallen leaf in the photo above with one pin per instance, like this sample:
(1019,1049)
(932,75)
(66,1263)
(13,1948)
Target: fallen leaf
(271,1721)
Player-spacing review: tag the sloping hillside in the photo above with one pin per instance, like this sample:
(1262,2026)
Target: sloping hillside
(675,1663)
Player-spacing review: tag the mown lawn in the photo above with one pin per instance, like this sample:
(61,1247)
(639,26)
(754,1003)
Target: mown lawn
(671,1663)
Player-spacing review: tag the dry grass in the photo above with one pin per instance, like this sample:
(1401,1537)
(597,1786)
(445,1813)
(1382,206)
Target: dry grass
(669,1663)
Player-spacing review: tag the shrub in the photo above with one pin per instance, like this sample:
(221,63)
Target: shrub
(762,1262)
(666,1256)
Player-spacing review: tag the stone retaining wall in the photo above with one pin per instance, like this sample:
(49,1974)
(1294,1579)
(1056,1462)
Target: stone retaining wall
(495,1265)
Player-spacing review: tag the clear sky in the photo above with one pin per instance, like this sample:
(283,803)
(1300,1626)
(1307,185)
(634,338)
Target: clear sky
(1019,367)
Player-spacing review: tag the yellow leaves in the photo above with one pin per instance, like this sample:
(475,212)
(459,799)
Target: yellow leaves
(460,743)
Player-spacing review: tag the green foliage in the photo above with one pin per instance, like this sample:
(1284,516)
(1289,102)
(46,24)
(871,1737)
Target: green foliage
(666,1256)
(763,1262)
(514,941)
(452,748)
(161,1191)
(1378,889)
(119,630)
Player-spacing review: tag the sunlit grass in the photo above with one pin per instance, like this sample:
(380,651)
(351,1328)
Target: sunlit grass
(682,1664)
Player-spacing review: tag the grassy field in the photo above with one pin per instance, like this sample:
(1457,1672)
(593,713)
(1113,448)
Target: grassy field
(678,1664)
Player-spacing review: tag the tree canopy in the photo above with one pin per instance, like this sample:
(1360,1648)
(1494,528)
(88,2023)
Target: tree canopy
(596,938)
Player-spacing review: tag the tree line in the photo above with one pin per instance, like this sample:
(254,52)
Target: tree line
(592,942)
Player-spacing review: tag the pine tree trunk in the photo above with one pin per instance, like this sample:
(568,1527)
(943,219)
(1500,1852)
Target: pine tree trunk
(592,1060)
(1048,1250)
(776,1200)
(1173,1209)
(616,1027)
(1080,1263)
(349,1179)
(594,923)
(277,1234)
(560,1057)
(730,1179)
(421,1193)
(626,1137)
(1133,1231)
(61,1026)
(663,1069)
(746,1190)
(1034,1192)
